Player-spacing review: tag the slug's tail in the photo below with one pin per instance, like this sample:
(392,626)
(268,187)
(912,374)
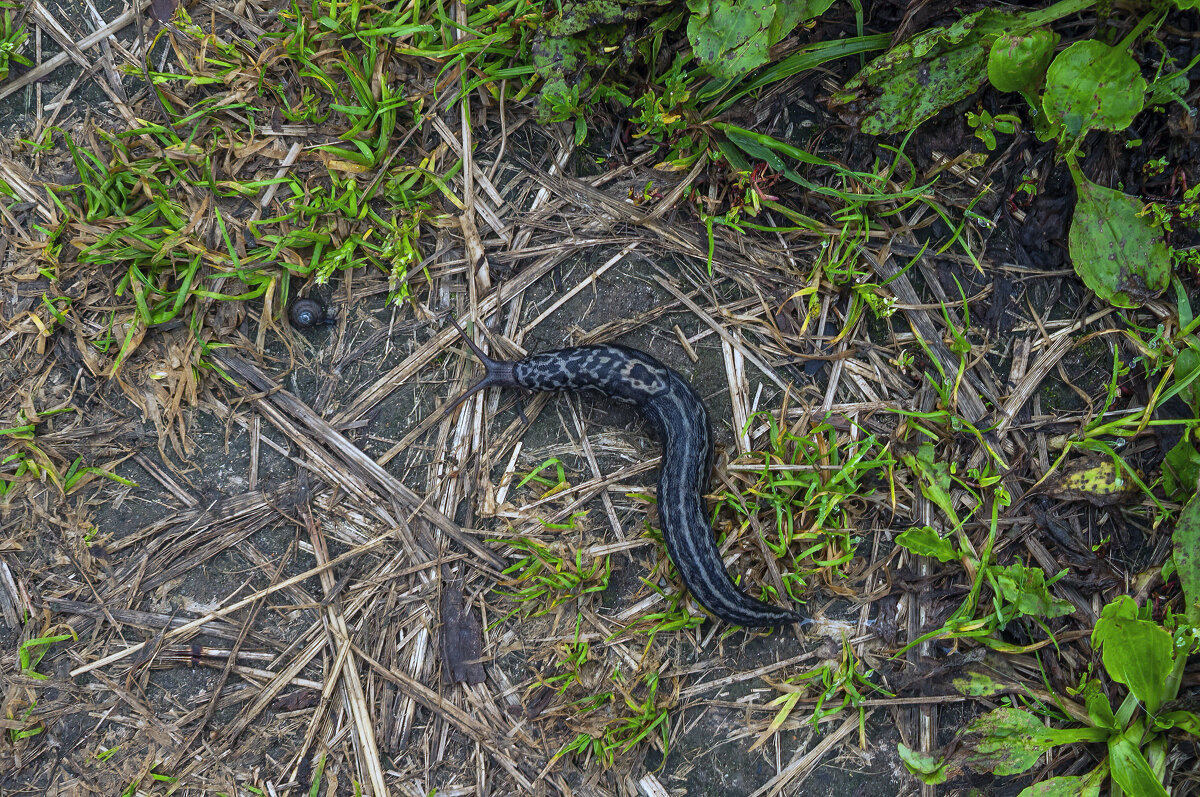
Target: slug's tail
(498,373)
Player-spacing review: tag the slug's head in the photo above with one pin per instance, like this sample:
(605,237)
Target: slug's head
(498,373)
(307,313)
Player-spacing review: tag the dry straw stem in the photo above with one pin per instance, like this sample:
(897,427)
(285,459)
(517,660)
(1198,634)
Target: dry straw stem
(277,402)
(233,607)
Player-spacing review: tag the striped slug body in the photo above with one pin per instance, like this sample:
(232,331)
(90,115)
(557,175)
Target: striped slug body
(677,414)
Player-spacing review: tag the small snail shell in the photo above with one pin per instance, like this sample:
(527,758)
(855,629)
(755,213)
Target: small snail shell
(306,313)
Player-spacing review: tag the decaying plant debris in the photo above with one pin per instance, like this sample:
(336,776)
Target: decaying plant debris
(240,557)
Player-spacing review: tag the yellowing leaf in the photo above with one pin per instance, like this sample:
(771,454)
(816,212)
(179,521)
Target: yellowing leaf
(1096,480)
(347,166)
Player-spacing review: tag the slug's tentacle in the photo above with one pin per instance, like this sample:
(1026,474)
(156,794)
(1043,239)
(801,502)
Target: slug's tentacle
(677,413)
(497,373)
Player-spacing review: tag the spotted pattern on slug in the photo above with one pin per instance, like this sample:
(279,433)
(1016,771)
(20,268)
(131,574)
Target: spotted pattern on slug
(677,413)
(627,375)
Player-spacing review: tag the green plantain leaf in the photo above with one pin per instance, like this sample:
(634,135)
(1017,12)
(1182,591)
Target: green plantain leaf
(1181,469)
(1065,786)
(733,37)
(1131,770)
(927,768)
(1117,252)
(925,541)
(1093,86)
(1138,653)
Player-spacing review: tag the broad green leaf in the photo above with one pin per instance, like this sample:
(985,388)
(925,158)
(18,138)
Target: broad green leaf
(1017,62)
(1122,607)
(1115,251)
(926,768)
(1098,706)
(1183,720)
(914,80)
(790,13)
(733,37)
(730,37)
(1010,740)
(1026,589)
(925,541)
(1137,653)
(1186,363)
(935,478)
(1181,470)
(1186,539)
(1131,770)
(1093,86)
(1065,786)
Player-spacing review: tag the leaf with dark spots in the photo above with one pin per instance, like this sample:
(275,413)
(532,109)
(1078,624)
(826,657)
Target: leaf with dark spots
(1007,741)
(1095,479)
(1116,250)
(1093,86)
(914,80)
(587,39)
(583,16)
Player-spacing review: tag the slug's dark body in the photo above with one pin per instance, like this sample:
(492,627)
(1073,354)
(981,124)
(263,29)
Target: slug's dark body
(678,415)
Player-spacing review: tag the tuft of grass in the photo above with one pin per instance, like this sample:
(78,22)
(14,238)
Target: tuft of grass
(612,723)
(26,459)
(808,484)
(544,579)
(31,652)
(833,687)
(12,37)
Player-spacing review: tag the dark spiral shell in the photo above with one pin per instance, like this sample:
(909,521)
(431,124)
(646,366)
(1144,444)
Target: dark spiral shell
(307,313)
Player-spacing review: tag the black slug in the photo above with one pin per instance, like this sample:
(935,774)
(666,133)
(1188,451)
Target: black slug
(677,414)
(306,313)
